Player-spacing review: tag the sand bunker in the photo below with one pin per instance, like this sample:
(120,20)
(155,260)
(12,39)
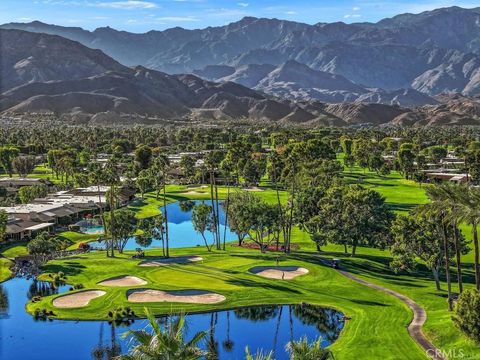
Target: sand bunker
(279,272)
(78,299)
(180,296)
(192,192)
(123,281)
(254,188)
(171,261)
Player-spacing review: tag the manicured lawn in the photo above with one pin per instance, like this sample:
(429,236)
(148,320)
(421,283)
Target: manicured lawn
(41,171)
(380,316)
(11,251)
(73,239)
(377,329)
(5,272)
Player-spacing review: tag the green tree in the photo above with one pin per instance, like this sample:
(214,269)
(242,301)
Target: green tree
(124,229)
(152,228)
(202,221)
(143,156)
(467,314)
(406,158)
(24,165)
(28,193)
(187,163)
(159,175)
(3,224)
(356,217)
(7,154)
(44,245)
(469,199)
(143,182)
(418,236)
(437,153)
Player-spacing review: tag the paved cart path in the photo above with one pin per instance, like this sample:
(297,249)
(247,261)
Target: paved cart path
(419,314)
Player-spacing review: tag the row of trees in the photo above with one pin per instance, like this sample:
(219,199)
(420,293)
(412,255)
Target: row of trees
(431,233)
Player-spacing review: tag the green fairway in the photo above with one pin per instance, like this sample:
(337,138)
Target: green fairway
(381,316)
(378,325)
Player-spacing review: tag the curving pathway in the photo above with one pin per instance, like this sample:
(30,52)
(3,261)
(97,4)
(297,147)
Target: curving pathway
(419,314)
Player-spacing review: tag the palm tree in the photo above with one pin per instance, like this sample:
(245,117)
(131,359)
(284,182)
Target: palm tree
(450,195)
(159,171)
(112,178)
(470,202)
(303,350)
(164,344)
(437,209)
(258,356)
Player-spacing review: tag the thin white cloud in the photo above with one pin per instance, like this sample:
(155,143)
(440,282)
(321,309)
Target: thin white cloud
(356,8)
(243,4)
(290,12)
(350,16)
(126,5)
(177,18)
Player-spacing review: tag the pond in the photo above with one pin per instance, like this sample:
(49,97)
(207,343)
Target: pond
(229,332)
(180,228)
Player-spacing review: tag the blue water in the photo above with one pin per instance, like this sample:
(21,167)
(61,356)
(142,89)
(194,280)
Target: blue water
(95,229)
(267,327)
(180,229)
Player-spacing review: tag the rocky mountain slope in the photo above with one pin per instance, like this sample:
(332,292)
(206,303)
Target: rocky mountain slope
(293,80)
(432,52)
(47,73)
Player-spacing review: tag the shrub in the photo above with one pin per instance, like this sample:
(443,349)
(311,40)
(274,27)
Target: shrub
(467,314)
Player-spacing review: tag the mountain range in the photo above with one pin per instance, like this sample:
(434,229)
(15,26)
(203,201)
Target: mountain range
(432,52)
(408,70)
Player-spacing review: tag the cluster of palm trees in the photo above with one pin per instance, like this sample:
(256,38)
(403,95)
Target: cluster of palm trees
(168,343)
(450,206)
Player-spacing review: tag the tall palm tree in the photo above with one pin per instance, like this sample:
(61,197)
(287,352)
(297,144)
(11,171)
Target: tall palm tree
(258,356)
(470,202)
(112,179)
(303,350)
(166,343)
(437,210)
(450,196)
(159,171)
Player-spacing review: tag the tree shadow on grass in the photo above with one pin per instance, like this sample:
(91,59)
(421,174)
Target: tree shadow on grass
(69,268)
(368,302)
(401,207)
(263,285)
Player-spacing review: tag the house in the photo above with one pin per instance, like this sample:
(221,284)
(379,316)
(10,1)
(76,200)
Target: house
(12,185)
(447,176)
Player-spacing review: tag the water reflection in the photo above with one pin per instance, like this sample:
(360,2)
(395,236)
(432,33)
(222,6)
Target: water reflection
(43,288)
(257,313)
(3,301)
(107,350)
(228,332)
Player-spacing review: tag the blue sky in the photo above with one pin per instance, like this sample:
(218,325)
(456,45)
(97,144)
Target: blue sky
(144,15)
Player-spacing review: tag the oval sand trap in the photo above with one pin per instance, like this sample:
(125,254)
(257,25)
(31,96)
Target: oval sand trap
(171,261)
(180,296)
(253,188)
(125,280)
(78,299)
(279,272)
